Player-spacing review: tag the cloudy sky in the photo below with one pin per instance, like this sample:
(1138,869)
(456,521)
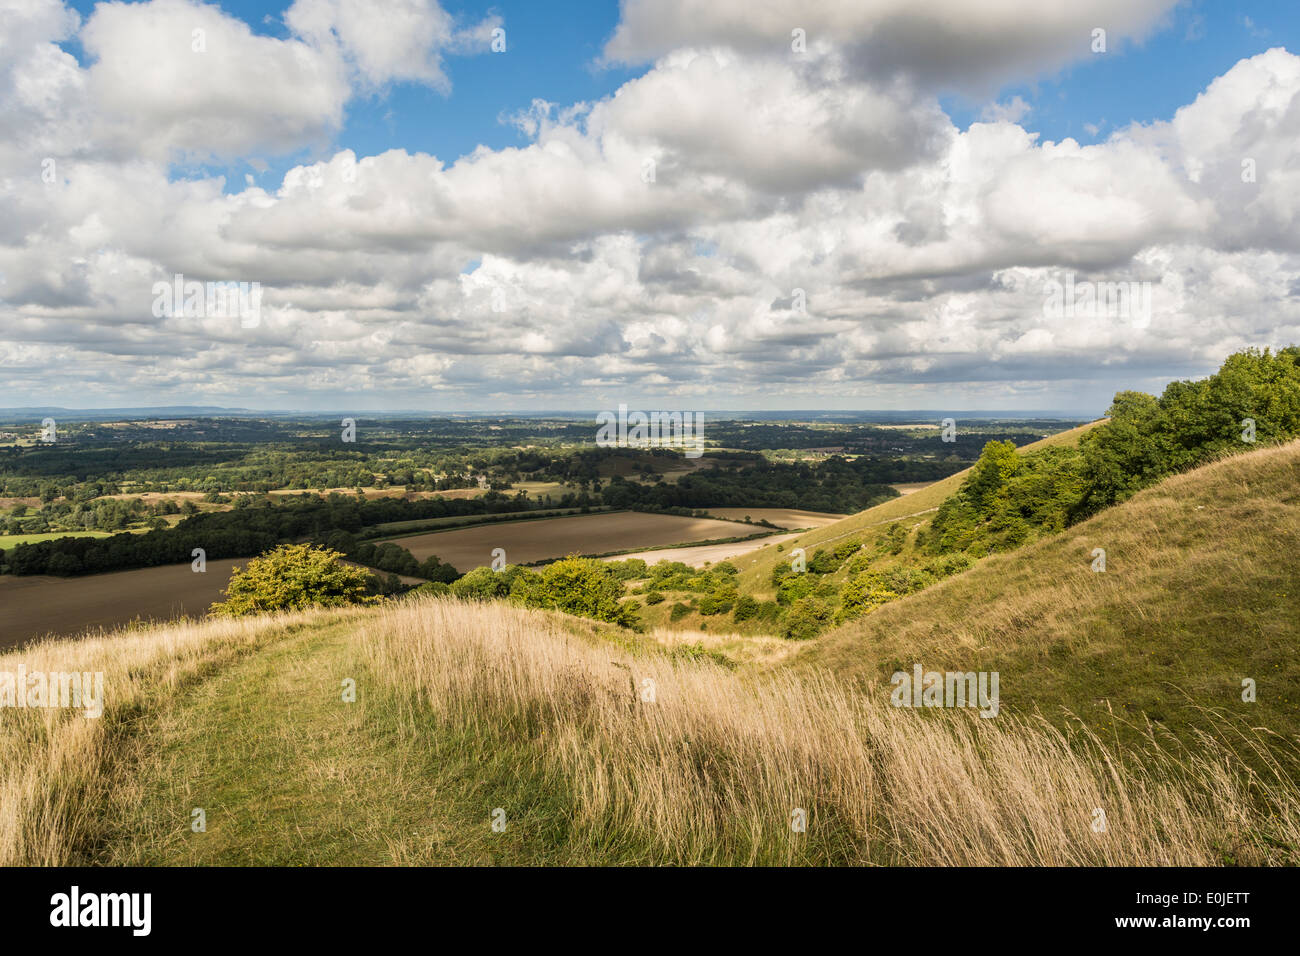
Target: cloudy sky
(668,203)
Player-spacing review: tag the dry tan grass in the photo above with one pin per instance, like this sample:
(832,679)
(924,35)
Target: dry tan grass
(53,761)
(758,650)
(547,715)
(711,771)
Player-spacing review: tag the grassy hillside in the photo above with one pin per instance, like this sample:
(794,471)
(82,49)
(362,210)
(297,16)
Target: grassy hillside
(586,745)
(1200,591)
(591,744)
(756,569)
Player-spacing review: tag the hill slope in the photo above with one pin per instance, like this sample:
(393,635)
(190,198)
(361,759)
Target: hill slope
(487,733)
(1200,591)
(755,571)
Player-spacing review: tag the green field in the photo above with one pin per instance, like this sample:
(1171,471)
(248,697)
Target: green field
(13,540)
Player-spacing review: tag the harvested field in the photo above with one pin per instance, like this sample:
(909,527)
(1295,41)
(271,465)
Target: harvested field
(781,517)
(703,554)
(526,542)
(396,491)
(152,497)
(7,503)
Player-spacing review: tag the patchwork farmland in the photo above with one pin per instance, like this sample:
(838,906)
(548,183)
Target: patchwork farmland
(528,542)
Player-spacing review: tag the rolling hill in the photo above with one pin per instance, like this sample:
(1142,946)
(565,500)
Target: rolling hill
(755,571)
(1201,591)
(489,734)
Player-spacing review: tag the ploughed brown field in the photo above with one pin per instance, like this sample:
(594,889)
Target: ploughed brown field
(36,605)
(526,542)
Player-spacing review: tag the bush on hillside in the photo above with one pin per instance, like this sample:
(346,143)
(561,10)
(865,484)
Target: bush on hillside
(1010,498)
(435,569)
(760,612)
(484,584)
(830,560)
(805,619)
(746,608)
(717,603)
(433,589)
(586,587)
(628,570)
(863,593)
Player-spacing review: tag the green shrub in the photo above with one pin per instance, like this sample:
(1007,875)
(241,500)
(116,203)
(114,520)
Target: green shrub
(805,619)
(480,584)
(628,570)
(860,562)
(525,586)
(712,604)
(484,584)
(433,589)
(586,587)
(862,594)
(667,569)
(829,560)
(654,597)
(760,612)
(292,577)
(949,564)
(795,586)
(746,609)
(434,569)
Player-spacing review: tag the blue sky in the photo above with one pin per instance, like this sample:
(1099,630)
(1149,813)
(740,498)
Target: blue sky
(1146,82)
(554,55)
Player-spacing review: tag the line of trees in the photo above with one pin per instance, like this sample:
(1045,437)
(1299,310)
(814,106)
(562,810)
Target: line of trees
(835,485)
(1010,498)
(254,526)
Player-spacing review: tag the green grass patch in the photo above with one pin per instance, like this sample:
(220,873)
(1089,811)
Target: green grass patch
(13,540)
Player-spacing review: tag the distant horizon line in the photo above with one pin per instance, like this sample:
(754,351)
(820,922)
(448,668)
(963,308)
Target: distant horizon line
(13,414)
